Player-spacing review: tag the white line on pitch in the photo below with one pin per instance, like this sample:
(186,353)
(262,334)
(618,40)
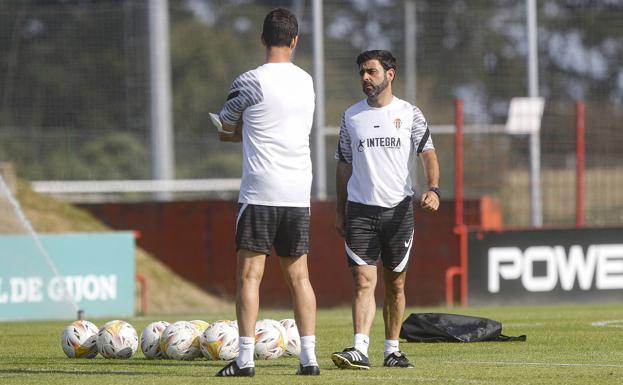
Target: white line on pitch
(443,380)
(532,363)
(613,323)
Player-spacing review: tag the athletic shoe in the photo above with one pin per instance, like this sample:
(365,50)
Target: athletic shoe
(397,360)
(233,370)
(311,370)
(351,358)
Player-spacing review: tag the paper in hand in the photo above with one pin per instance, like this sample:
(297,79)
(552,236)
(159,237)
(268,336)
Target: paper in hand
(216,120)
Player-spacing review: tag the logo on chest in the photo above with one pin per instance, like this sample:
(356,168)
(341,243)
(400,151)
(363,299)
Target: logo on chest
(388,142)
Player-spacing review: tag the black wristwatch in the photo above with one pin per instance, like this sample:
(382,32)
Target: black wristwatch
(436,190)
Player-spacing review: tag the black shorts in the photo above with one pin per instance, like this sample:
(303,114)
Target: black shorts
(259,228)
(373,231)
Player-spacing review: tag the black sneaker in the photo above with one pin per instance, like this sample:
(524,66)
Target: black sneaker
(311,370)
(397,360)
(233,370)
(351,358)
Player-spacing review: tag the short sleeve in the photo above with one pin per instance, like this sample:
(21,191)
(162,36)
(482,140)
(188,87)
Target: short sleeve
(343,151)
(245,91)
(420,134)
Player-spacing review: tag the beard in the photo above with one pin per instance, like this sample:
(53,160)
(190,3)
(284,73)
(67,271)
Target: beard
(374,91)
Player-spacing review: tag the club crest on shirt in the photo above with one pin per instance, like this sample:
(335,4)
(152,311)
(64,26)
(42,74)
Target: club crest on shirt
(397,123)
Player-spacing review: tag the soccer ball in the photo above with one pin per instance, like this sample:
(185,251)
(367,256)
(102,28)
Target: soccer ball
(271,339)
(150,339)
(79,340)
(117,339)
(293,348)
(200,325)
(180,341)
(220,341)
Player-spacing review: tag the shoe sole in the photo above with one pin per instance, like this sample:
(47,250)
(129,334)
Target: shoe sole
(343,363)
(402,367)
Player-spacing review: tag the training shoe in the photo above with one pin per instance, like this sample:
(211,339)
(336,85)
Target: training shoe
(233,370)
(397,360)
(311,370)
(351,358)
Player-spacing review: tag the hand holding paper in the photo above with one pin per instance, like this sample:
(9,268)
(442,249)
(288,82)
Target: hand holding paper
(216,120)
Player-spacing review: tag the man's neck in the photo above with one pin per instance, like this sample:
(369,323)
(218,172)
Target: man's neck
(278,55)
(382,99)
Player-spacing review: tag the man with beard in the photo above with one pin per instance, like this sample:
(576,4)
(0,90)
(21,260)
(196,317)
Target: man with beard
(374,214)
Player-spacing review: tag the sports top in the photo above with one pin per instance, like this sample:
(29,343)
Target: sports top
(379,143)
(276,104)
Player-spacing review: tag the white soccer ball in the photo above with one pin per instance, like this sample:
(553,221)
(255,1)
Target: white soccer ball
(117,339)
(293,348)
(180,341)
(79,340)
(200,325)
(150,339)
(271,339)
(220,341)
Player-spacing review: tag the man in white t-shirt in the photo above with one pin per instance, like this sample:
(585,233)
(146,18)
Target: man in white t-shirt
(270,109)
(378,137)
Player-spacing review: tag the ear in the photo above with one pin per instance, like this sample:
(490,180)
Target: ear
(391,73)
(294,42)
(263,41)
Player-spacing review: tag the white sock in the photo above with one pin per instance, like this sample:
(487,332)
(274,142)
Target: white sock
(308,351)
(362,342)
(390,347)
(247,348)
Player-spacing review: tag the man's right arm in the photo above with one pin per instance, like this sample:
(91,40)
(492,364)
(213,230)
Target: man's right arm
(245,91)
(342,175)
(344,157)
(236,133)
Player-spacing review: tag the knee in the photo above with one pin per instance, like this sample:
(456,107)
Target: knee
(248,275)
(395,288)
(364,282)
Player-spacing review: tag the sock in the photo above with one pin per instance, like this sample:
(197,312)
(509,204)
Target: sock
(247,348)
(362,342)
(390,347)
(308,351)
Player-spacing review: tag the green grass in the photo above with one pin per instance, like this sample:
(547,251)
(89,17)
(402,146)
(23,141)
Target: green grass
(562,348)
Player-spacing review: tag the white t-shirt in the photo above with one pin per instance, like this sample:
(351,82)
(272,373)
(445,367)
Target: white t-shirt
(379,143)
(276,104)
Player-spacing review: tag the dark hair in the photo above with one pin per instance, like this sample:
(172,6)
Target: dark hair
(280,27)
(387,60)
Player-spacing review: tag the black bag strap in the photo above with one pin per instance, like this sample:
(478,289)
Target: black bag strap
(505,338)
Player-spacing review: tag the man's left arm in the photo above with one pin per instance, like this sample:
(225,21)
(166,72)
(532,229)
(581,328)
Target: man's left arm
(430,199)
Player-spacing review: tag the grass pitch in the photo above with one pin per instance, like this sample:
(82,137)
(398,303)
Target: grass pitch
(570,344)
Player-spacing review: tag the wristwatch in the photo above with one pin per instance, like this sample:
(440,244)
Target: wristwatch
(436,190)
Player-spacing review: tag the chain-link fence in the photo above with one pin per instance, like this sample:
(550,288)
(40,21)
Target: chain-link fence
(75,95)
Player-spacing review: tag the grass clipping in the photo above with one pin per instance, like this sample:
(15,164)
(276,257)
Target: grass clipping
(168,292)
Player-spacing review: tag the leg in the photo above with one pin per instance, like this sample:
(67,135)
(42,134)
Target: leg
(394,305)
(297,278)
(393,312)
(248,278)
(364,308)
(296,275)
(364,305)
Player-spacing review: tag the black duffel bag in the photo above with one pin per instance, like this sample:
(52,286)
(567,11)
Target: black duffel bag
(440,327)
